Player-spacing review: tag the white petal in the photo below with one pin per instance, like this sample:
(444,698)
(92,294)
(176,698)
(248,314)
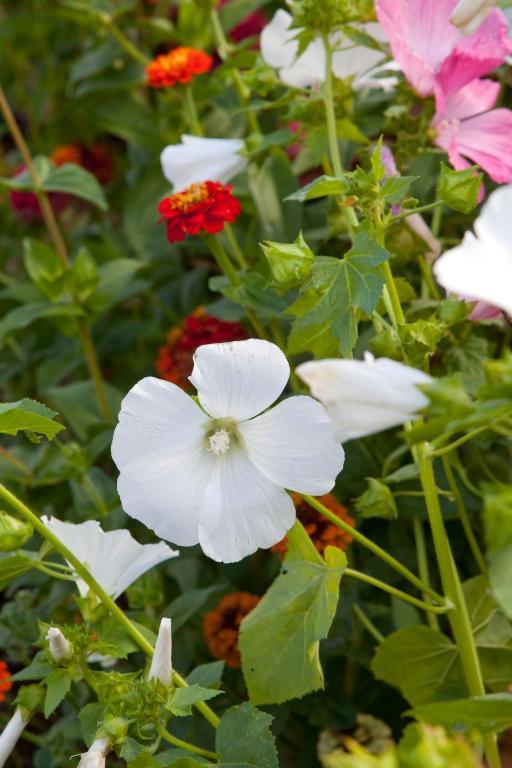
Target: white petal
(239,379)
(277,45)
(356,60)
(10,735)
(199,159)
(363,398)
(308,69)
(161,664)
(243,510)
(495,221)
(58,646)
(294,446)
(113,558)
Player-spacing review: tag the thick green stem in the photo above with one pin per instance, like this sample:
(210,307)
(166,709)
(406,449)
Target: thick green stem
(98,590)
(369,544)
(421,556)
(181,744)
(396,592)
(235,248)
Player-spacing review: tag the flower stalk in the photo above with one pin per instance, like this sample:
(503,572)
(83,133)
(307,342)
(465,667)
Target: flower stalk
(429,607)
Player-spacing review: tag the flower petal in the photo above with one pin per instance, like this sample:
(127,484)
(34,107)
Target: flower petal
(293,444)
(277,45)
(243,511)
(239,379)
(199,159)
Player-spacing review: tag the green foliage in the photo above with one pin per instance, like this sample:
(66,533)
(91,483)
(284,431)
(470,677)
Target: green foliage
(289,262)
(377,501)
(459,189)
(30,417)
(57,685)
(183,699)
(244,738)
(485,714)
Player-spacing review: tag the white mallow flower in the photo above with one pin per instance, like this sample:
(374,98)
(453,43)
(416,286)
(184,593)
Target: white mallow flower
(365,397)
(279,49)
(161,663)
(95,755)
(10,735)
(198,159)
(59,647)
(215,473)
(113,558)
(469,14)
(480,268)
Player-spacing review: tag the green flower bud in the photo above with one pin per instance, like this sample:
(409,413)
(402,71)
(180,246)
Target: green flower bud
(116,728)
(289,262)
(13,532)
(459,189)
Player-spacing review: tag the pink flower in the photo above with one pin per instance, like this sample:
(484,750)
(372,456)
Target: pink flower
(432,53)
(467,126)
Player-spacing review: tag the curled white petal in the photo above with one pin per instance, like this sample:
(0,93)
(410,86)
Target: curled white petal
(197,159)
(95,755)
(10,735)
(113,558)
(161,663)
(365,397)
(59,647)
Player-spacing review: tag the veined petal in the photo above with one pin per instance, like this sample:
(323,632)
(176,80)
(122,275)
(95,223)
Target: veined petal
(114,558)
(485,139)
(239,379)
(293,445)
(243,510)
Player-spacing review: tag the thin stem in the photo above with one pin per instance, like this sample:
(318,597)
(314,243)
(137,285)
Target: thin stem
(191,111)
(39,566)
(456,443)
(15,462)
(396,314)
(369,544)
(164,733)
(98,590)
(127,45)
(235,248)
(426,271)
(411,211)
(368,623)
(60,247)
(437,219)
(463,516)
(396,592)
(421,556)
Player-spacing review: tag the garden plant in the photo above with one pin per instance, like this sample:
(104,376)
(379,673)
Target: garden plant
(256,383)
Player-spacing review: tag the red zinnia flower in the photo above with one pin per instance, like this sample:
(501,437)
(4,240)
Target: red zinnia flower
(180,65)
(321,531)
(222,625)
(5,683)
(201,207)
(175,358)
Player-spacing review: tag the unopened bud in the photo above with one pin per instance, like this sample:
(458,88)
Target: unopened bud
(10,735)
(469,14)
(13,532)
(59,647)
(161,664)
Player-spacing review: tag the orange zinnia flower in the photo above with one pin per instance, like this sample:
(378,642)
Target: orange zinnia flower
(222,625)
(322,532)
(180,65)
(175,358)
(5,683)
(199,208)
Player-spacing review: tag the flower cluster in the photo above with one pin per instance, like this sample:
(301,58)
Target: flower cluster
(180,65)
(204,207)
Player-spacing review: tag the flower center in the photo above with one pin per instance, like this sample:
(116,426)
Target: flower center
(183,201)
(220,442)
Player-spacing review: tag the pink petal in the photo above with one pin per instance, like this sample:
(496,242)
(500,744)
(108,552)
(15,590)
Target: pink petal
(485,139)
(479,96)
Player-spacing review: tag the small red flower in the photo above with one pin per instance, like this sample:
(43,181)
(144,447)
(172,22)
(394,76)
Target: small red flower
(5,683)
(222,625)
(175,358)
(202,207)
(180,65)
(322,532)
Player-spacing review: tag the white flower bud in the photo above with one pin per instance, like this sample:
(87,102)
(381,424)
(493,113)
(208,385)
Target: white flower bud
(95,755)
(10,735)
(58,646)
(161,664)
(469,14)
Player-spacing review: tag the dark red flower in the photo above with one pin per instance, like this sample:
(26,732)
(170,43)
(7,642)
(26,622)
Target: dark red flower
(175,358)
(180,65)
(97,159)
(322,532)
(26,205)
(249,26)
(222,625)
(202,207)
(5,683)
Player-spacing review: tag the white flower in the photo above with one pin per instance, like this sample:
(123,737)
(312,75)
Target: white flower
(161,663)
(10,735)
(279,49)
(469,14)
(59,647)
(480,268)
(114,558)
(198,159)
(95,755)
(214,474)
(364,397)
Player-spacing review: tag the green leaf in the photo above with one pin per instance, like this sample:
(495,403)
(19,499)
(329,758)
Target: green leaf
(76,181)
(395,188)
(420,340)
(23,316)
(255,291)
(114,278)
(189,604)
(84,274)
(377,501)
(113,640)
(207,675)
(323,186)
(289,262)
(36,670)
(28,415)
(91,716)
(78,404)
(44,268)
(459,189)
(292,617)
(43,166)
(244,737)
(57,684)
(334,293)
(486,714)
(13,566)
(183,699)
(270,185)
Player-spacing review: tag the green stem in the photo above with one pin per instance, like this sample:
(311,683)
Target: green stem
(7,456)
(457,443)
(191,111)
(98,590)
(396,314)
(39,566)
(367,623)
(410,212)
(127,45)
(235,248)
(181,744)
(396,592)
(369,544)
(421,555)
(463,516)
(437,219)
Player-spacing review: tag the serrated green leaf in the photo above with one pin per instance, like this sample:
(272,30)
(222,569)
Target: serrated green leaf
(91,716)
(183,699)
(57,685)
(244,737)
(323,186)
(486,714)
(29,415)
